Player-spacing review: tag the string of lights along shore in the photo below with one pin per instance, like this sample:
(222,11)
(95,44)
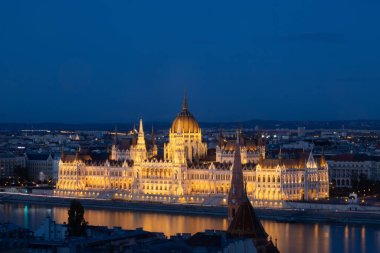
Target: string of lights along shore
(190,173)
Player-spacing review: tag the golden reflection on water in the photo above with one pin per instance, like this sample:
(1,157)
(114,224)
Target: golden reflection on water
(362,233)
(316,236)
(169,224)
(325,238)
(346,238)
(291,237)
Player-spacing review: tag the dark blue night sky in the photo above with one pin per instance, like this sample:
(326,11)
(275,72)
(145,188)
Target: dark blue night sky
(114,61)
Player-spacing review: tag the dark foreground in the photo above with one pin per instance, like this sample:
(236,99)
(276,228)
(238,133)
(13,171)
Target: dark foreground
(292,237)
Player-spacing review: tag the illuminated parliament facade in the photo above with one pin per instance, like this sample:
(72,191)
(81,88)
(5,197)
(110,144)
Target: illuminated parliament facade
(185,175)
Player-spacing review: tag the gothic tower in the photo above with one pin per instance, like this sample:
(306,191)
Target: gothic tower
(140,148)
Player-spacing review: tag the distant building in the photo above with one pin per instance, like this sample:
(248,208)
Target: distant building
(8,164)
(40,166)
(343,168)
(301,131)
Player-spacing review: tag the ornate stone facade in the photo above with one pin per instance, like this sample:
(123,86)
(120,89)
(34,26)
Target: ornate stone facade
(182,176)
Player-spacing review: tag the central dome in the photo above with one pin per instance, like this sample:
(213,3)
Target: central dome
(187,122)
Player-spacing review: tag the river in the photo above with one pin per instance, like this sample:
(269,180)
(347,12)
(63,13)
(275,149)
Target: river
(290,237)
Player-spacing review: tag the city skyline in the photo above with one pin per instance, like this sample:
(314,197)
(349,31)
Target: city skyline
(118,62)
(190,126)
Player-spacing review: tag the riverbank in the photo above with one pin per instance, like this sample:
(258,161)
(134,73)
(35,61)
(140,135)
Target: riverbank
(281,215)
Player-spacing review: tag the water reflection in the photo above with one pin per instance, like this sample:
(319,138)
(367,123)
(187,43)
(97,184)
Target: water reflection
(291,237)
(363,239)
(346,238)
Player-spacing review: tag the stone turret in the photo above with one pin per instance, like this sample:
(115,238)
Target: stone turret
(140,153)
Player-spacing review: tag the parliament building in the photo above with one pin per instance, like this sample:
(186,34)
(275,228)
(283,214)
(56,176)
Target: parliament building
(185,175)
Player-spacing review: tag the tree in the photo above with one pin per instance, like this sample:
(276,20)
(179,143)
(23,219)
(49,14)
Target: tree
(76,222)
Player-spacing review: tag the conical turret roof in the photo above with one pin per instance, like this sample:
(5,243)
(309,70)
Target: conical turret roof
(246,222)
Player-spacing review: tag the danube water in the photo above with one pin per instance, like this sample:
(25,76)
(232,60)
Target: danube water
(290,237)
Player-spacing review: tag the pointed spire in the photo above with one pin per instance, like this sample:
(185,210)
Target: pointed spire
(134,128)
(141,130)
(241,138)
(184,105)
(62,153)
(115,137)
(221,139)
(265,139)
(280,154)
(242,216)
(141,136)
(153,141)
(259,138)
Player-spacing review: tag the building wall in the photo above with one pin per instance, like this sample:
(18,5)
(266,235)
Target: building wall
(341,172)
(36,167)
(9,163)
(170,179)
